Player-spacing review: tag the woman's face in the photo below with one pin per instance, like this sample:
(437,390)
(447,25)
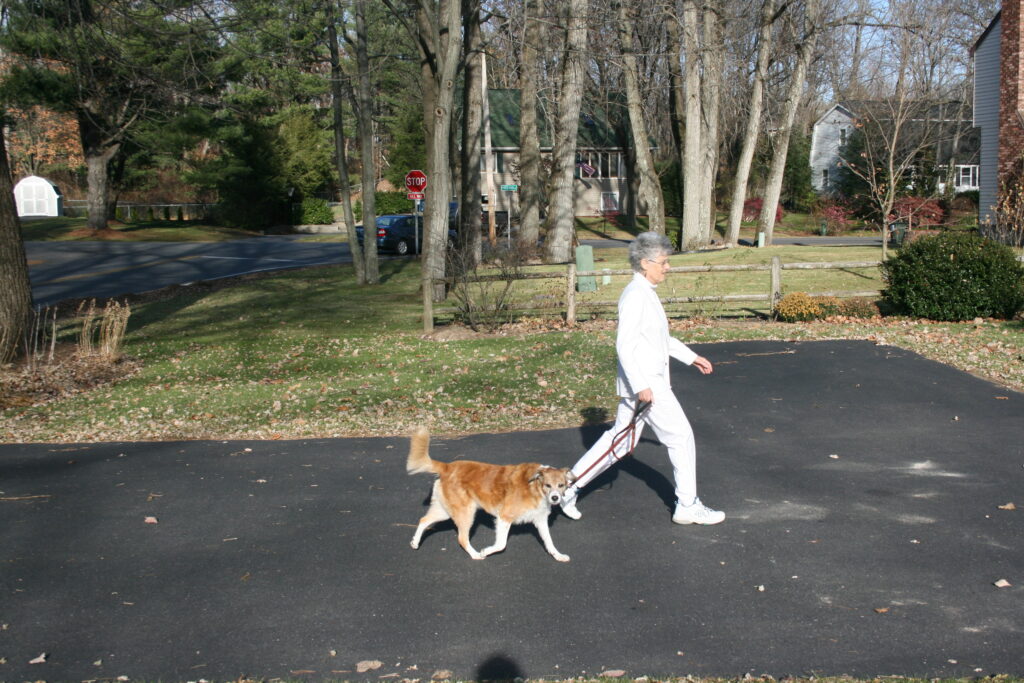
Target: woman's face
(655,268)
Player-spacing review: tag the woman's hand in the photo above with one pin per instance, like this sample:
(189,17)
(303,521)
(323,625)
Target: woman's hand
(704,365)
(645,395)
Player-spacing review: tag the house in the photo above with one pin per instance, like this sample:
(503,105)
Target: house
(998,103)
(948,124)
(602,166)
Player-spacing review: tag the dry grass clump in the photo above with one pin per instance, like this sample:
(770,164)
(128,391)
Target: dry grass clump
(49,368)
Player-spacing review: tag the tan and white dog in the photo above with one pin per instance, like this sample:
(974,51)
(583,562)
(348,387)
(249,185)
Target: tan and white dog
(514,494)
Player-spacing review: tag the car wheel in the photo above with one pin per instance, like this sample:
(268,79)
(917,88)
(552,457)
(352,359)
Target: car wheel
(402,247)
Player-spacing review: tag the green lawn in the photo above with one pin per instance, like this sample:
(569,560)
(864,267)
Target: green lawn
(311,354)
(66,229)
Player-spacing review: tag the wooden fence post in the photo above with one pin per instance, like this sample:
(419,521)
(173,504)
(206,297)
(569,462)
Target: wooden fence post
(570,295)
(776,293)
(428,303)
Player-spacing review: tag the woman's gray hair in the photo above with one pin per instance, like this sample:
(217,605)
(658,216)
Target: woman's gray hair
(648,245)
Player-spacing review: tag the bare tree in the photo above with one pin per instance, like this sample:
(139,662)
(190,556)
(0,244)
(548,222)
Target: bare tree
(364,116)
(340,146)
(753,128)
(561,206)
(436,29)
(805,33)
(650,186)
(473,94)
(532,185)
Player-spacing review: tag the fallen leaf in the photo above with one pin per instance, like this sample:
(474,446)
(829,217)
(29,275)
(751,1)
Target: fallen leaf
(40,659)
(303,671)
(368,665)
(443,674)
(152,520)
(769,429)
(614,673)
(1008,506)
(1002,583)
(881,610)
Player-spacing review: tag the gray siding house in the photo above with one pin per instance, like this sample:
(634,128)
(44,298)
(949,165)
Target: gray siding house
(986,115)
(833,128)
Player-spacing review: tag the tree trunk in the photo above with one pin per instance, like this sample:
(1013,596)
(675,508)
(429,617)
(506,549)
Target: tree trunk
(341,157)
(677,113)
(691,227)
(98,150)
(364,114)
(751,134)
(473,94)
(561,207)
(650,186)
(15,290)
(446,63)
(773,189)
(532,188)
(713,62)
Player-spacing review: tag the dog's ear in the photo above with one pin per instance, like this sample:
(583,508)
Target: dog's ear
(538,474)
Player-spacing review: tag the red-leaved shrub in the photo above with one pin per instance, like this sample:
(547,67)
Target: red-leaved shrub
(752,209)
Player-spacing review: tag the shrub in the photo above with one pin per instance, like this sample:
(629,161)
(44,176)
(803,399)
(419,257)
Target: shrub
(837,215)
(797,307)
(918,211)
(858,307)
(752,210)
(955,276)
(386,203)
(312,211)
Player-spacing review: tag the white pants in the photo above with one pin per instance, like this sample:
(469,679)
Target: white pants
(667,419)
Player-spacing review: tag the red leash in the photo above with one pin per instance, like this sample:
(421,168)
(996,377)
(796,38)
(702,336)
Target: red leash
(629,431)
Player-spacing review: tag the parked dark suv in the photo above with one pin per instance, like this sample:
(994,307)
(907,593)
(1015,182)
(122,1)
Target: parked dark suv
(398,233)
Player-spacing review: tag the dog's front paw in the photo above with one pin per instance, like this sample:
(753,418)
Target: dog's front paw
(414,544)
(560,557)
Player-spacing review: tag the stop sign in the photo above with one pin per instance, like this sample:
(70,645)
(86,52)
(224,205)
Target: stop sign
(416,181)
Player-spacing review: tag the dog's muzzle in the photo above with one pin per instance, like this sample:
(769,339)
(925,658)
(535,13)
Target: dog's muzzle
(555,498)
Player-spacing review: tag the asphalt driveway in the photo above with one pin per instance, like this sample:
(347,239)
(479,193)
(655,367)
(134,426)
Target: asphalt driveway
(867,492)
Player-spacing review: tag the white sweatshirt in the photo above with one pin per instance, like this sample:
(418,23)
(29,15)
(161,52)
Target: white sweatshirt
(644,344)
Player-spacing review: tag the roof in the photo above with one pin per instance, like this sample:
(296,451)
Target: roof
(984,34)
(595,130)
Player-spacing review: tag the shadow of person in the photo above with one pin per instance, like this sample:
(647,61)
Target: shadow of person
(499,667)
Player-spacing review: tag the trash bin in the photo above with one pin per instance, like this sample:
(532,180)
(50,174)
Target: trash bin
(897,233)
(823,230)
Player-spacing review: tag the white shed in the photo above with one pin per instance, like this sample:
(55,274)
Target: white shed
(37,196)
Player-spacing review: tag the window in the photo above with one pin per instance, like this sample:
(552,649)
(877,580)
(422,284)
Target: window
(599,165)
(824,177)
(966,177)
(842,136)
(609,203)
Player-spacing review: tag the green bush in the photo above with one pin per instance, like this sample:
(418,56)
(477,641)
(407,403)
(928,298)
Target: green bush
(386,203)
(955,276)
(312,211)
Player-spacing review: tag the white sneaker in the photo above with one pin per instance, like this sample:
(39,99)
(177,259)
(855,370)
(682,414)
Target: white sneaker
(569,508)
(697,513)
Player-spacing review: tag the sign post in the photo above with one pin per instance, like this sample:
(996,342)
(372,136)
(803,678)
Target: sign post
(416,184)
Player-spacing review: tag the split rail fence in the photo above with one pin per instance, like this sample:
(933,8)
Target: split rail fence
(571,307)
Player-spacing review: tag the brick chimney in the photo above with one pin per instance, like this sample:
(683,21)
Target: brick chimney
(1011,96)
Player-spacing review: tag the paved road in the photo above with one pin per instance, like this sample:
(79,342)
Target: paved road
(862,484)
(65,270)
(70,270)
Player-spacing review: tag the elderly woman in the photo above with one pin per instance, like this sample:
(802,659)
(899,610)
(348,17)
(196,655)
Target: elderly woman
(643,346)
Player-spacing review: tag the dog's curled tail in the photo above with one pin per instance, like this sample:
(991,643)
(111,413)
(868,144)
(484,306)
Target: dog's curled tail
(419,453)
